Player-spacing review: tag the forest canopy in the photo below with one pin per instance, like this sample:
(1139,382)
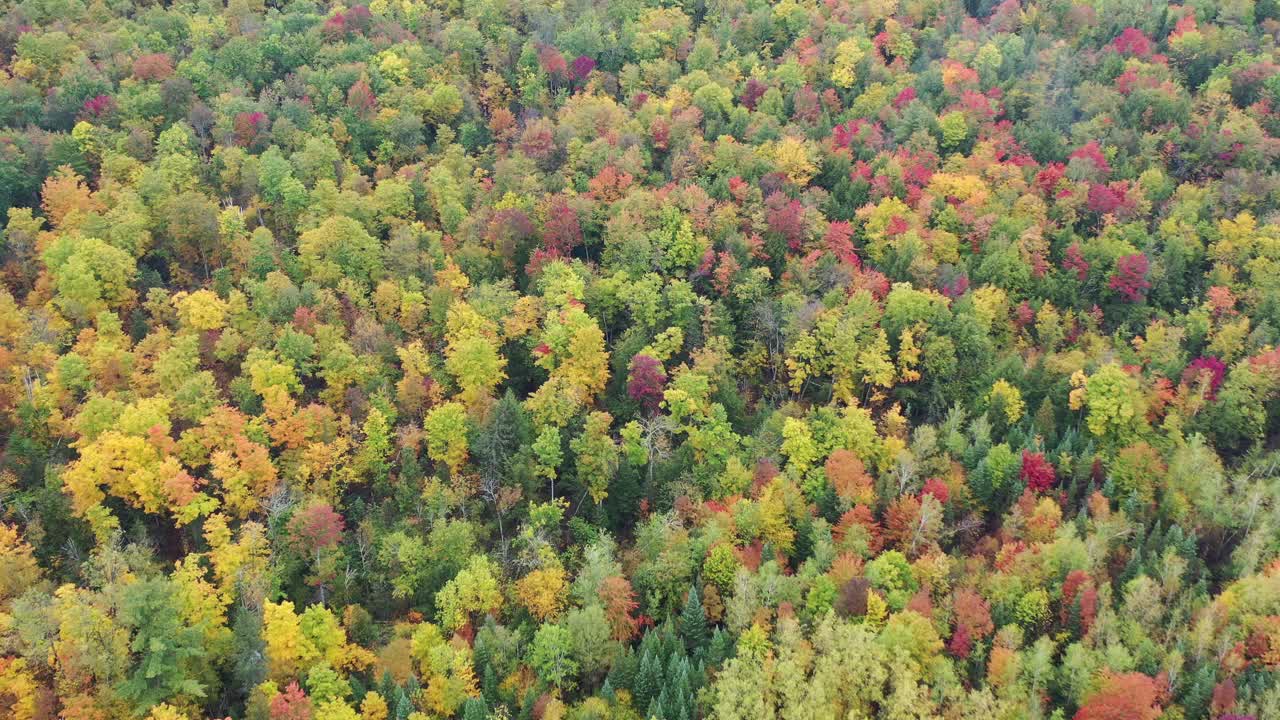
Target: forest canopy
(639,360)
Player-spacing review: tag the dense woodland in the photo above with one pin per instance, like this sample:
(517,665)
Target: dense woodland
(639,359)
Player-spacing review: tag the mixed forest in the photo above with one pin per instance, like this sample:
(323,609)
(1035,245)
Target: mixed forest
(639,360)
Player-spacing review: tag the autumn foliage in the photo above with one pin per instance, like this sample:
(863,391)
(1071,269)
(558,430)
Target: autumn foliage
(666,360)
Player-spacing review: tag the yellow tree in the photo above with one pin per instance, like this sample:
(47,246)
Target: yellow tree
(597,455)
(446,427)
(472,355)
(18,569)
(289,650)
(474,589)
(543,591)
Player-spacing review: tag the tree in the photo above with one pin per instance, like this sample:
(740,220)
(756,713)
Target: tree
(1130,277)
(1116,405)
(890,573)
(18,568)
(1005,401)
(447,427)
(548,455)
(315,532)
(472,355)
(340,248)
(170,653)
(291,704)
(1128,695)
(597,455)
(542,591)
(693,623)
(551,655)
(646,381)
(289,651)
(1036,471)
(619,605)
(593,647)
(90,276)
(66,200)
(373,460)
(473,590)
(572,351)
(849,477)
(17,689)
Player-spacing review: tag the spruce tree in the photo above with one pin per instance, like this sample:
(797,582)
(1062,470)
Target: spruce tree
(475,709)
(693,623)
(648,681)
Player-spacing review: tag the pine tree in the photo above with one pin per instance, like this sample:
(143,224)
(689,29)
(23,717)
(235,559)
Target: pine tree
(669,640)
(410,467)
(651,643)
(404,706)
(693,623)
(655,710)
(648,681)
(1198,691)
(489,685)
(358,690)
(677,666)
(527,707)
(387,687)
(625,670)
(474,709)
(720,649)
(671,699)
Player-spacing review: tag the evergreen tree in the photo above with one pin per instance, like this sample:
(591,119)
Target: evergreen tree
(648,680)
(474,709)
(693,623)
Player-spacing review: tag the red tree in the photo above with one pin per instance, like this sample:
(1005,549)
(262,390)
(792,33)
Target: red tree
(973,613)
(619,605)
(1130,277)
(1037,472)
(752,92)
(848,476)
(1091,152)
(582,67)
(1208,365)
(1224,697)
(317,527)
(785,218)
(1131,696)
(839,242)
(646,381)
(562,231)
(1132,42)
(153,66)
(1079,587)
(961,644)
(361,99)
(98,105)
(937,488)
(292,704)
(246,127)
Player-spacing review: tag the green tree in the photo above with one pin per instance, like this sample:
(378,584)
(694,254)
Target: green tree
(693,623)
(340,248)
(170,653)
(552,655)
(447,428)
(596,454)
